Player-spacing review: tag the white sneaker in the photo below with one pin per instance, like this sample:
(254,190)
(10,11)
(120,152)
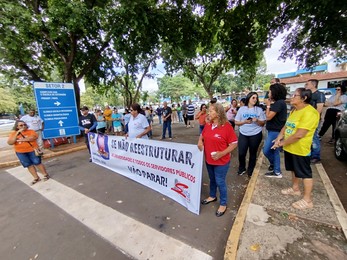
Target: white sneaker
(273,175)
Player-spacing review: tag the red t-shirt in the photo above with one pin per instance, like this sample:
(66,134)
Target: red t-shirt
(218,140)
(24,147)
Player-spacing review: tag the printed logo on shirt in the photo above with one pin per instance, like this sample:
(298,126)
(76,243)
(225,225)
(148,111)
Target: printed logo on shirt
(86,121)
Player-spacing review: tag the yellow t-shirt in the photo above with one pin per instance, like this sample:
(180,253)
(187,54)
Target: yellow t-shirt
(108,114)
(306,118)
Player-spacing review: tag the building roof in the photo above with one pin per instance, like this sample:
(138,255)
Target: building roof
(320,68)
(320,76)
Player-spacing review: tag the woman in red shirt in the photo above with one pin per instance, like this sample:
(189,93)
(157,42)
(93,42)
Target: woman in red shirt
(218,140)
(24,142)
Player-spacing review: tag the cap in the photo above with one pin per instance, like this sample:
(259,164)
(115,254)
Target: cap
(84,108)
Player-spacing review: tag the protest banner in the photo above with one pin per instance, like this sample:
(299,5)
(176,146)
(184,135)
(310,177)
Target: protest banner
(173,169)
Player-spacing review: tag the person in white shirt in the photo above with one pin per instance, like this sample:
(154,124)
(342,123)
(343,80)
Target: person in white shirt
(35,123)
(138,126)
(250,119)
(336,103)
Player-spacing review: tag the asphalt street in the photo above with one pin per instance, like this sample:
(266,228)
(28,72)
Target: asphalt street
(61,233)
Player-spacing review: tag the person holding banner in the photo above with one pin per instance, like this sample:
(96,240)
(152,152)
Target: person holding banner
(218,140)
(87,123)
(138,126)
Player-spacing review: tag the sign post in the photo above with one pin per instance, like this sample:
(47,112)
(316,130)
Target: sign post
(57,107)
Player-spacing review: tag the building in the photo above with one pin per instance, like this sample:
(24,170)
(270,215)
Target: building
(329,75)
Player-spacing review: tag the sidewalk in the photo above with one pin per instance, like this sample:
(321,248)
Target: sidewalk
(9,159)
(267,227)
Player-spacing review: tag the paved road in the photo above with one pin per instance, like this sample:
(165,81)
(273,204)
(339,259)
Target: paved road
(336,170)
(64,231)
(61,230)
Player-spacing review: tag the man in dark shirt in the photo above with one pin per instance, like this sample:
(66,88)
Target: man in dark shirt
(317,101)
(87,123)
(166,120)
(184,109)
(158,111)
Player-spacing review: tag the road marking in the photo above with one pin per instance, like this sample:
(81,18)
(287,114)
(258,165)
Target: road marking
(126,234)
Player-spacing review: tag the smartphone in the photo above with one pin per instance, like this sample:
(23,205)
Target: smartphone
(249,118)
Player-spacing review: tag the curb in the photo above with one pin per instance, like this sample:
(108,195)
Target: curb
(236,230)
(45,156)
(334,199)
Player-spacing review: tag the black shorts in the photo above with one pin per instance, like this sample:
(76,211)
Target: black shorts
(300,165)
(191,118)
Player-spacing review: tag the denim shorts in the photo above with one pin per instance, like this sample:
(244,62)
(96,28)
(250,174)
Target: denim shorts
(28,159)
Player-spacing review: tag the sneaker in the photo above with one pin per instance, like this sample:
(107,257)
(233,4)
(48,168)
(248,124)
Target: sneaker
(314,161)
(241,172)
(271,168)
(170,138)
(90,159)
(272,174)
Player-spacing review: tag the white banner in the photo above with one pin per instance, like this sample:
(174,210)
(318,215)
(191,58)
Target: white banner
(173,169)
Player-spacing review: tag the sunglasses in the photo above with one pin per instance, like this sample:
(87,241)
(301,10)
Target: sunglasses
(337,89)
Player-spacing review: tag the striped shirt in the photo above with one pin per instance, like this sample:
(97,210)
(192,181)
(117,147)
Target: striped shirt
(191,110)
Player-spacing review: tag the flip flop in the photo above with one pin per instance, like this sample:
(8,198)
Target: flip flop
(290,191)
(35,181)
(302,204)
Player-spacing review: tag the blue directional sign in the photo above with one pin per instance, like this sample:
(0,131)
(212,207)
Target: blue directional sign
(56,105)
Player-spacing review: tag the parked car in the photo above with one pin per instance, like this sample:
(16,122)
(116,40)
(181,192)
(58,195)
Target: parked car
(6,126)
(340,148)
(8,116)
(328,92)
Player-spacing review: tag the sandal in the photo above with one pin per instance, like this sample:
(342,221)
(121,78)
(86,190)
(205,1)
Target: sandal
(302,204)
(46,177)
(35,181)
(290,191)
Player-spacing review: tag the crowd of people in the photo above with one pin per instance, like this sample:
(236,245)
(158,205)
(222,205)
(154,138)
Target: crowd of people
(241,124)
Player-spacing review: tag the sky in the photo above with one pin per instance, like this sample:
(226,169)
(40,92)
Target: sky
(274,66)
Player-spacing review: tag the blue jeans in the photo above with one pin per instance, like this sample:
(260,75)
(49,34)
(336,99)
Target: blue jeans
(315,149)
(273,155)
(159,117)
(201,128)
(179,114)
(149,134)
(166,125)
(217,174)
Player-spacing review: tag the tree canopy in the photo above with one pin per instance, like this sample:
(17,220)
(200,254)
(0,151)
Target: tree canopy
(114,43)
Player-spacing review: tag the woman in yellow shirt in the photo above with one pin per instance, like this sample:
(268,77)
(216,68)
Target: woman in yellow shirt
(296,138)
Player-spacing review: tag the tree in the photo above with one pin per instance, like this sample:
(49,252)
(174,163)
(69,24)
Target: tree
(40,36)
(87,38)
(177,87)
(7,101)
(316,28)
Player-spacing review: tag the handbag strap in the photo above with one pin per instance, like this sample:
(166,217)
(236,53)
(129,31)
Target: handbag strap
(27,141)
